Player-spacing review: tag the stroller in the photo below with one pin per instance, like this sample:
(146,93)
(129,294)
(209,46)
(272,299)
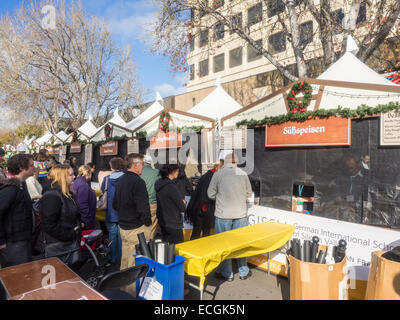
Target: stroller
(94,249)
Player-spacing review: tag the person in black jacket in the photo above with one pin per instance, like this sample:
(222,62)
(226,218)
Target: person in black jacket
(201,208)
(131,201)
(169,205)
(182,182)
(60,214)
(16,221)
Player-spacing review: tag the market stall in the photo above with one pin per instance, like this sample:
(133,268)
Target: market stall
(326,159)
(216,105)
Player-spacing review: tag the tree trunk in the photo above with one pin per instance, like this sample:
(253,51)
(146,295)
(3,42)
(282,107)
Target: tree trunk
(298,52)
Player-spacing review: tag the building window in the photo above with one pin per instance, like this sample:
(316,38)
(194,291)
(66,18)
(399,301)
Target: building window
(337,18)
(254,14)
(191,41)
(219,63)
(237,21)
(203,38)
(275,7)
(277,43)
(253,54)
(203,68)
(362,13)
(235,57)
(219,31)
(306,33)
(191,68)
(218,4)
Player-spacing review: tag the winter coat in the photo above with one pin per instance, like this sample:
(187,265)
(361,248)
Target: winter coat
(15,211)
(113,178)
(86,198)
(200,198)
(169,204)
(131,201)
(230,187)
(184,186)
(59,216)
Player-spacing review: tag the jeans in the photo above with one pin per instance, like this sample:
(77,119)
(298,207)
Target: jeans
(222,225)
(114,235)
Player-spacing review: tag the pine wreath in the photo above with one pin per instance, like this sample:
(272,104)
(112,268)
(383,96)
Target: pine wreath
(107,131)
(165,118)
(299,106)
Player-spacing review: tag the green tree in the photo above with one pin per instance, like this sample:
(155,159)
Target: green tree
(29,130)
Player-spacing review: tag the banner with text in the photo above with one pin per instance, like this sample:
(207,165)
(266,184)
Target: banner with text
(333,131)
(109,149)
(167,140)
(75,147)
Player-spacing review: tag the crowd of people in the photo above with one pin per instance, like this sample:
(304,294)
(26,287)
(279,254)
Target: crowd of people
(138,197)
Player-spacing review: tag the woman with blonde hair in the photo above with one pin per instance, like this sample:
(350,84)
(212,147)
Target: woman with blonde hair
(86,197)
(60,216)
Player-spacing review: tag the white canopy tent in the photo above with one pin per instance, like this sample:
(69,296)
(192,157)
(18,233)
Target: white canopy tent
(217,104)
(46,138)
(117,124)
(347,83)
(147,114)
(88,129)
(61,137)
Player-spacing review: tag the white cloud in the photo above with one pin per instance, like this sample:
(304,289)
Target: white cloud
(166,90)
(129,19)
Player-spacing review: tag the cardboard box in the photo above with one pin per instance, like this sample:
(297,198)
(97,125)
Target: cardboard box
(314,281)
(384,278)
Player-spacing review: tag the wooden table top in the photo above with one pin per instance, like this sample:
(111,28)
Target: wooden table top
(28,281)
(73,289)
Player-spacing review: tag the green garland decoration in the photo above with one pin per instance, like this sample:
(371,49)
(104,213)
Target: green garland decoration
(299,106)
(361,112)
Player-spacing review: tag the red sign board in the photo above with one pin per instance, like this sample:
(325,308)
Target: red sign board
(333,131)
(75,147)
(109,149)
(167,140)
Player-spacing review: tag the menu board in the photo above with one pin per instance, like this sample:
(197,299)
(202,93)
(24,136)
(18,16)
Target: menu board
(233,138)
(390,129)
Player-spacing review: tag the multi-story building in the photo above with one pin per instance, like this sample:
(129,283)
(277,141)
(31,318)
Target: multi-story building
(246,74)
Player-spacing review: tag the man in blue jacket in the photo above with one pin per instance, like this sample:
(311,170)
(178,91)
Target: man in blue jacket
(117,166)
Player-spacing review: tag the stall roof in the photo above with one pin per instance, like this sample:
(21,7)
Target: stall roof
(44,139)
(217,104)
(62,136)
(117,119)
(146,115)
(348,83)
(350,69)
(88,129)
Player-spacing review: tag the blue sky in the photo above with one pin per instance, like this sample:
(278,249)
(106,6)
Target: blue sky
(126,19)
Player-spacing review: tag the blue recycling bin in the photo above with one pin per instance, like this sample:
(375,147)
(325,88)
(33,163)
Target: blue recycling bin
(171,277)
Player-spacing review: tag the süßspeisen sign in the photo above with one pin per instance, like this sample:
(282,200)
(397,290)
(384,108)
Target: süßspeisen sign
(333,131)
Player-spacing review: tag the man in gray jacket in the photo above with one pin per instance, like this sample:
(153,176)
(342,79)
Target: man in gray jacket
(230,187)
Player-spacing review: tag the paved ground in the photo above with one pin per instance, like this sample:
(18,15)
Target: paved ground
(259,286)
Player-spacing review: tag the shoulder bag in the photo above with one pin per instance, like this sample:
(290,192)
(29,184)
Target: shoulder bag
(102,202)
